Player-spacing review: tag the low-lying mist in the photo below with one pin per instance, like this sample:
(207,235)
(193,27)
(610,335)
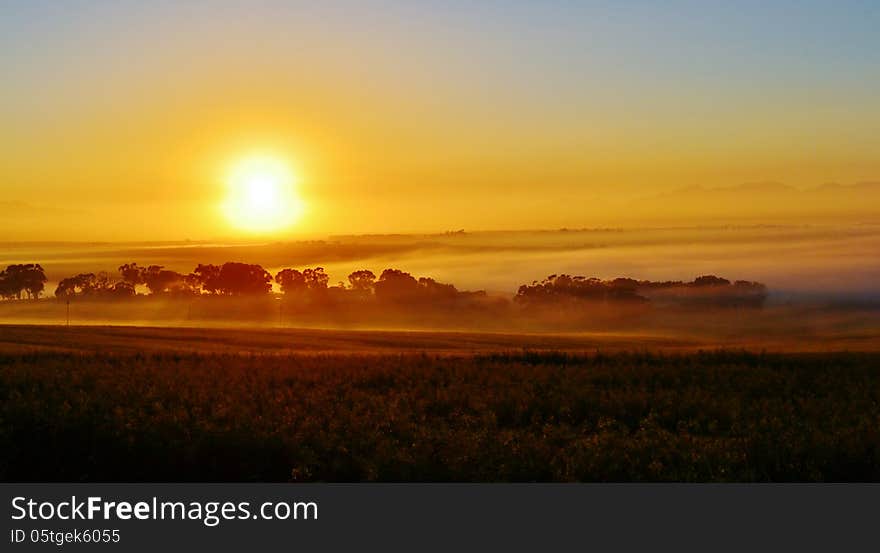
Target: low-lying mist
(828,260)
(821,280)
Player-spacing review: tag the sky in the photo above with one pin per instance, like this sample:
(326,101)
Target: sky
(121,120)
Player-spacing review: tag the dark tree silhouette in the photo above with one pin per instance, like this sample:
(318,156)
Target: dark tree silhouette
(81,284)
(34,280)
(710,280)
(239,279)
(556,288)
(437,291)
(132,274)
(160,280)
(709,290)
(28,279)
(362,281)
(192,283)
(123,289)
(316,279)
(395,285)
(206,277)
(291,281)
(100,285)
(7,288)
(749,285)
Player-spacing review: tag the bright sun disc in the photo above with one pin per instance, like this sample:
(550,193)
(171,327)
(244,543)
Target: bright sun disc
(261,196)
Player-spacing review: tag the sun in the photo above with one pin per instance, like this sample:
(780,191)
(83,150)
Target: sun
(261,196)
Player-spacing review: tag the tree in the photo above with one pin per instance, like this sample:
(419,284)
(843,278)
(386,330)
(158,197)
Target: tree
(206,277)
(710,280)
(193,283)
(437,290)
(123,289)
(132,274)
(160,280)
(103,282)
(239,279)
(81,284)
(396,286)
(316,279)
(7,289)
(26,278)
(35,280)
(362,281)
(291,281)
(565,288)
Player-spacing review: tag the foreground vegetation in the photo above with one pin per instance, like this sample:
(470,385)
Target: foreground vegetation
(495,417)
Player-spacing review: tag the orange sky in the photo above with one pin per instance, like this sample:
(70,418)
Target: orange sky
(120,120)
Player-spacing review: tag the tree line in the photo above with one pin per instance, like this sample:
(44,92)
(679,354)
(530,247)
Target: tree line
(392,286)
(703,289)
(244,279)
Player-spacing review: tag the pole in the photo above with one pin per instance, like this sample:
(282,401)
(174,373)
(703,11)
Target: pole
(68,312)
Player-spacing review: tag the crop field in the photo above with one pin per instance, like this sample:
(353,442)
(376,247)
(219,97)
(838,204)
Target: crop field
(220,405)
(134,339)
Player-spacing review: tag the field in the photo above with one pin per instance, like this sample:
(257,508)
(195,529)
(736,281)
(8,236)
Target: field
(140,404)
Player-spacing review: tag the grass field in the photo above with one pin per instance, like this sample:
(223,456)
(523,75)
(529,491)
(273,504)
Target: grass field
(283,341)
(277,341)
(137,404)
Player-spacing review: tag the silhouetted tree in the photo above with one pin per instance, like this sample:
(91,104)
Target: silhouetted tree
(193,283)
(132,274)
(160,280)
(7,289)
(622,289)
(710,280)
(236,279)
(362,281)
(750,293)
(437,291)
(707,290)
(28,278)
(100,285)
(567,287)
(396,286)
(104,281)
(206,277)
(81,284)
(123,289)
(749,285)
(291,281)
(316,279)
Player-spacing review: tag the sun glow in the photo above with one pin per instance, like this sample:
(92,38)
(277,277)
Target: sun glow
(261,195)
